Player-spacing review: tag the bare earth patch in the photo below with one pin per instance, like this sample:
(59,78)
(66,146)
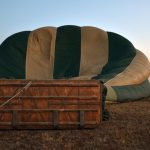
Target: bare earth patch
(128,128)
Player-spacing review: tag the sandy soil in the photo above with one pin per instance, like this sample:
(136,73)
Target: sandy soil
(127,129)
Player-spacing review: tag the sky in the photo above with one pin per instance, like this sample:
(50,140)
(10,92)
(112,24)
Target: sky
(130,18)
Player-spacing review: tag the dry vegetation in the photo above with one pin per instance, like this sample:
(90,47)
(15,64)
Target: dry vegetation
(128,128)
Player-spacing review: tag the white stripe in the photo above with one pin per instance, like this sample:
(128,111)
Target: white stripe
(111,94)
(94,51)
(40,53)
(137,72)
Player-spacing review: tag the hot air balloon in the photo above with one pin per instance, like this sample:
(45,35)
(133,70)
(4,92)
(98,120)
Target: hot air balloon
(78,53)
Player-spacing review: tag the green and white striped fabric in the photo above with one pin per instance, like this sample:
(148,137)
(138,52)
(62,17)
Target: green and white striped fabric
(77,53)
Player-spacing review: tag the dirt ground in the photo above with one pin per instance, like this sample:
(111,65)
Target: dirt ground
(127,129)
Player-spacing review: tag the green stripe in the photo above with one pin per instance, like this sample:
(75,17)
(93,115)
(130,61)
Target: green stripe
(132,92)
(13,56)
(121,53)
(67,52)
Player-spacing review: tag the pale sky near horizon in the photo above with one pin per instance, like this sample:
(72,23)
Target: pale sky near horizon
(130,18)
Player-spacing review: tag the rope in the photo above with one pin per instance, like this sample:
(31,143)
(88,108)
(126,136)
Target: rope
(18,93)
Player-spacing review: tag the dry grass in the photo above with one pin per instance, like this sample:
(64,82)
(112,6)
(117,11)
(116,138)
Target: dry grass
(128,128)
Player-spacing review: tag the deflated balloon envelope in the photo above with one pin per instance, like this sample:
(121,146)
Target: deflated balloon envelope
(82,53)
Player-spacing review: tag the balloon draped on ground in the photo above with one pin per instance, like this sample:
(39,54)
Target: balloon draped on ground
(78,53)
